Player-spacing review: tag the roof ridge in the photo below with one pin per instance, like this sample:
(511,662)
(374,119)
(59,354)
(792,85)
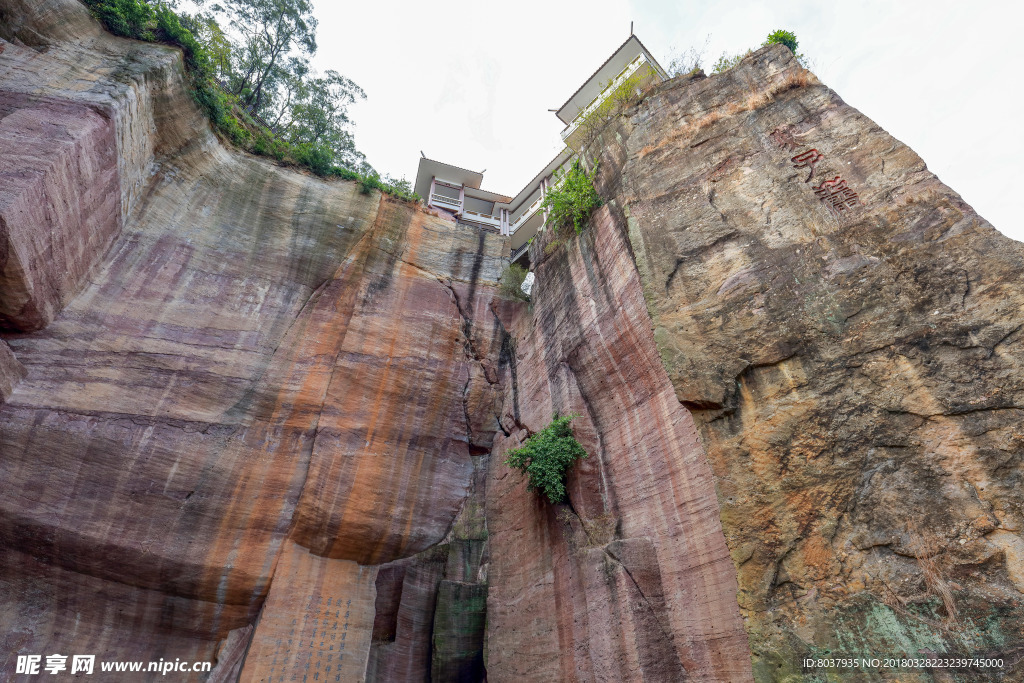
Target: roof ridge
(660,68)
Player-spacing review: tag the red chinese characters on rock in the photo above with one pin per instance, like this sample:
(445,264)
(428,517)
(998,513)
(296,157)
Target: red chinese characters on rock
(807,160)
(835,193)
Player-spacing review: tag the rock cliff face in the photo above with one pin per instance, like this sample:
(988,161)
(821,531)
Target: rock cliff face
(263,373)
(257,419)
(843,328)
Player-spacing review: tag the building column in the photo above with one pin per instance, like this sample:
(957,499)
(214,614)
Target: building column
(543,194)
(431,194)
(462,198)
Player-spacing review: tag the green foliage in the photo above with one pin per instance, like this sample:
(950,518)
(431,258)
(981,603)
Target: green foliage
(615,102)
(726,62)
(169,30)
(126,18)
(781,37)
(546,456)
(318,158)
(269,146)
(266,81)
(270,31)
(345,173)
(369,183)
(511,283)
(572,199)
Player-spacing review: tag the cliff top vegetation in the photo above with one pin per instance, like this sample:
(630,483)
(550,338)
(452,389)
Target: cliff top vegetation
(254,81)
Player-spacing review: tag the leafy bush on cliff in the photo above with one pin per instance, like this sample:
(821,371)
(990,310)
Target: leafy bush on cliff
(126,18)
(546,456)
(572,199)
(782,37)
(778,37)
(511,283)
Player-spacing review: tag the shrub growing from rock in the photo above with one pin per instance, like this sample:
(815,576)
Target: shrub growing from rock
(547,456)
(572,200)
(512,279)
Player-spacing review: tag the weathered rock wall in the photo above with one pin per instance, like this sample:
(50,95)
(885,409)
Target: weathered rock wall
(855,372)
(83,115)
(262,370)
(252,417)
(631,579)
(56,212)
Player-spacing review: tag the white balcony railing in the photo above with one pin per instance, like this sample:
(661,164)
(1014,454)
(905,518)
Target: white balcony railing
(446,202)
(481,218)
(630,69)
(526,214)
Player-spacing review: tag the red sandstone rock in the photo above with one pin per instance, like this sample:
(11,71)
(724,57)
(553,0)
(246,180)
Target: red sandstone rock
(11,371)
(272,392)
(855,371)
(59,208)
(262,356)
(644,516)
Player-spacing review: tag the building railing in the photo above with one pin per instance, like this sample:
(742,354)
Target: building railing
(482,217)
(516,253)
(616,82)
(526,215)
(448,201)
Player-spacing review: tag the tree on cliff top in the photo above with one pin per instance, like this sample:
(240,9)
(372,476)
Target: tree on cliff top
(270,74)
(271,30)
(279,106)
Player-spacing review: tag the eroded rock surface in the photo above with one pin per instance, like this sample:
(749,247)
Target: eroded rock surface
(631,579)
(248,416)
(264,371)
(855,374)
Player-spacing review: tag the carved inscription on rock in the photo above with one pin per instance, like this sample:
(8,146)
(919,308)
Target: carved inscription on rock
(833,192)
(316,623)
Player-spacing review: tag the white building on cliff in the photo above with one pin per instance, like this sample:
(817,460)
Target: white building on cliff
(457,190)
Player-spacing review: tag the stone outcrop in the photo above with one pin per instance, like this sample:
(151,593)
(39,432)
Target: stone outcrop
(58,205)
(264,372)
(854,370)
(258,419)
(631,579)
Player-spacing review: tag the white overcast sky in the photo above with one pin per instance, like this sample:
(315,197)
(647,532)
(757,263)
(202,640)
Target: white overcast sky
(470,83)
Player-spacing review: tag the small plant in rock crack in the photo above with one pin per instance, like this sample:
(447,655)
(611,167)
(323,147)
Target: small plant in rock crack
(546,457)
(572,199)
(511,282)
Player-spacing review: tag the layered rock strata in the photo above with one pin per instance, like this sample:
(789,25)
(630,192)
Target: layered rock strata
(59,208)
(631,578)
(236,399)
(264,371)
(843,328)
